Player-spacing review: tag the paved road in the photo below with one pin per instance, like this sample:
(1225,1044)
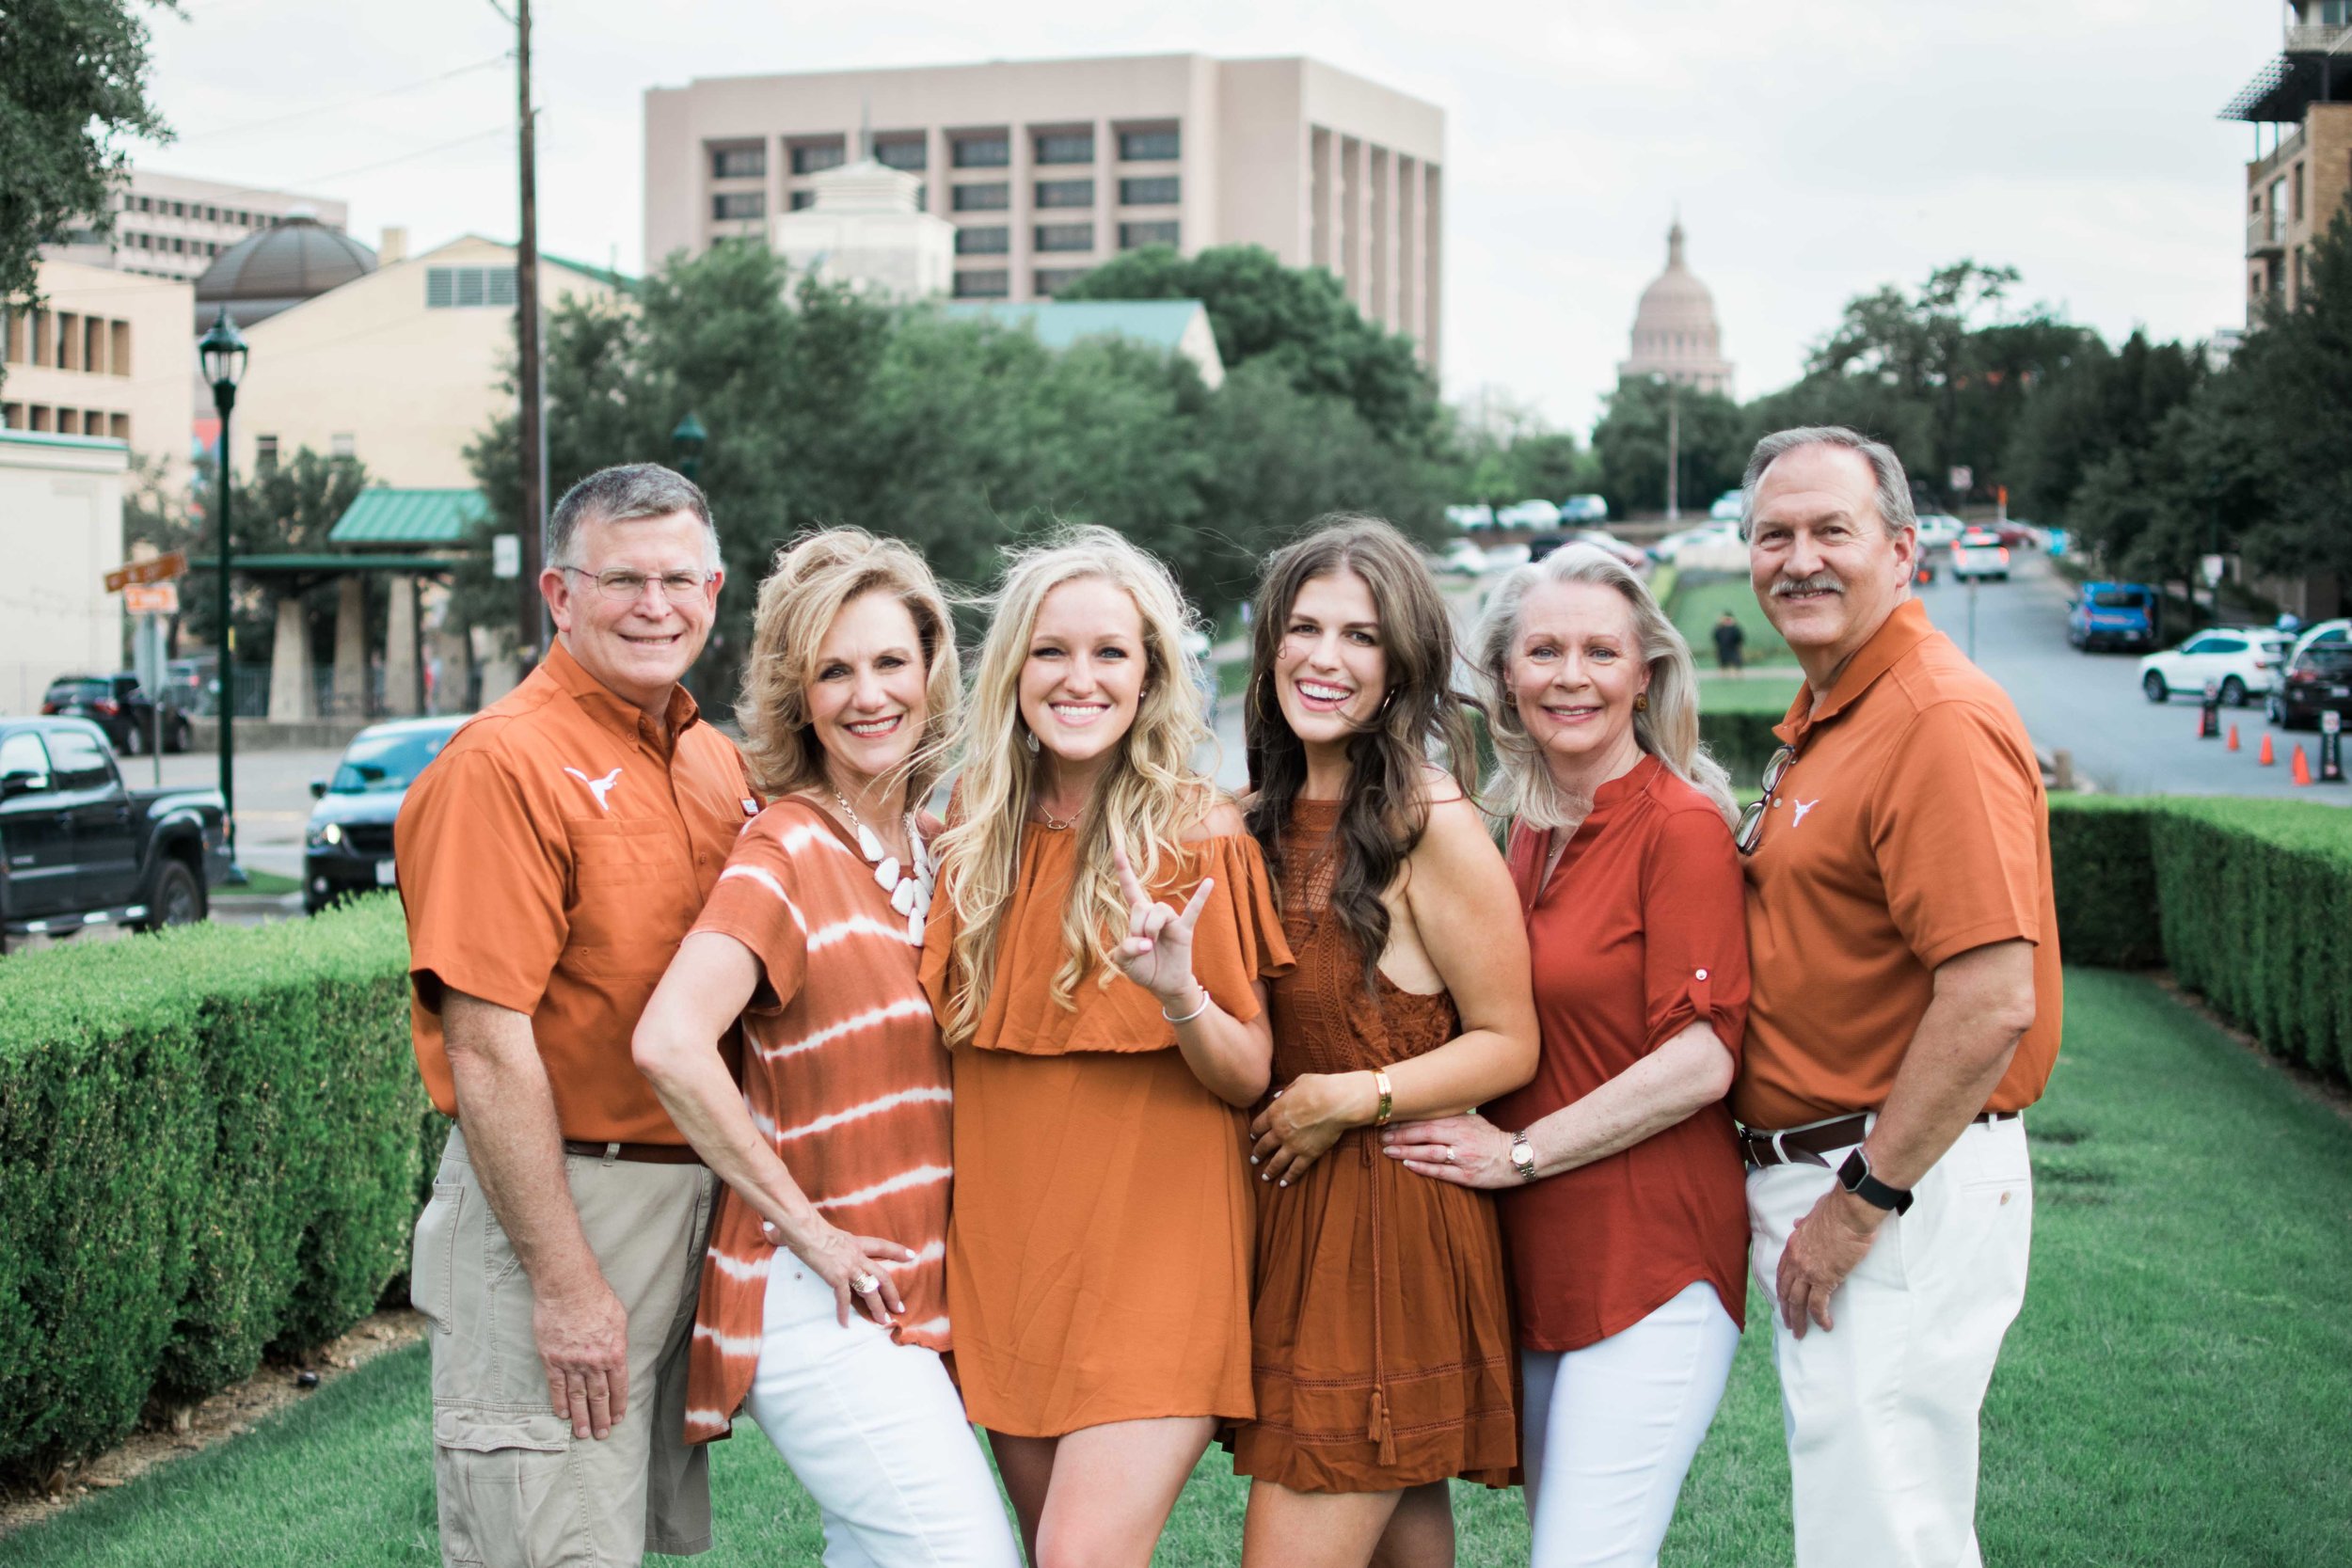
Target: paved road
(2090,704)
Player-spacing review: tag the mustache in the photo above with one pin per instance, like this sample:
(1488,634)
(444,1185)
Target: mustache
(1820,582)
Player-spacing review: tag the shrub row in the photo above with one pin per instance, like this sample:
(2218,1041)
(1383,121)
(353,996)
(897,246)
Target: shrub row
(210,1144)
(2249,901)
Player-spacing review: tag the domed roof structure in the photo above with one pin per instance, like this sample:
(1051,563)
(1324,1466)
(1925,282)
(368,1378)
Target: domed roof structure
(280,266)
(1674,331)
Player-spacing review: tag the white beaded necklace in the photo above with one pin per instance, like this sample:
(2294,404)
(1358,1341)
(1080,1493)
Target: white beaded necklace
(910,887)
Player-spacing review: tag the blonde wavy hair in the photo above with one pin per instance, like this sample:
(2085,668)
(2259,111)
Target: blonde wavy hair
(812,580)
(1667,729)
(1143,803)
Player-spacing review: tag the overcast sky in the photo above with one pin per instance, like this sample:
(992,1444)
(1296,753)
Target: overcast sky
(1816,150)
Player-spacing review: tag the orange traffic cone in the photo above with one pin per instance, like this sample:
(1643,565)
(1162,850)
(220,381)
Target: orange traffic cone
(2268,755)
(2302,769)
(2233,745)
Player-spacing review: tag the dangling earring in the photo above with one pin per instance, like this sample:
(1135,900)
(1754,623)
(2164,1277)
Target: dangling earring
(1385,701)
(1641,704)
(1028,738)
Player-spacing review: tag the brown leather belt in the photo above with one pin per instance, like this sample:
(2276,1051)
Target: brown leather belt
(642,1154)
(1805,1146)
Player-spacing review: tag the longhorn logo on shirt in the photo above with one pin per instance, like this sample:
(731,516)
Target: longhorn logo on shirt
(598,788)
(1803,806)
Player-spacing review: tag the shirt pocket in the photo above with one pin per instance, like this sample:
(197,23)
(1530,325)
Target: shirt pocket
(632,897)
(623,853)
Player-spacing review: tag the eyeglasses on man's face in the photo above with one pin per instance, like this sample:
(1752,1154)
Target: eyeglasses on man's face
(622,586)
(1752,820)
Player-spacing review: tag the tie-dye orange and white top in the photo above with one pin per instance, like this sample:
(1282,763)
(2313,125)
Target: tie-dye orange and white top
(843,1072)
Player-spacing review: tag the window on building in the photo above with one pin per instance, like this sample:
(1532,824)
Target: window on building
(265,452)
(983,283)
(1145,147)
(12,416)
(1053,280)
(43,417)
(1135,236)
(739,163)
(69,421)
(468,288)
(1065,236)
(1065,147)
(179,209)
(119,426)
(981,199)
(2278,209)
(993,241)
(989,151)
(179,246)
(910,153)
(731,206)
(212,215)
(1158,190)
(816,157)
(1065,193)
(799,200)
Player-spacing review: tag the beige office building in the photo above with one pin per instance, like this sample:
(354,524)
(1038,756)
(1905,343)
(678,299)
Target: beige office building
(172,226)
(60,533)
(105,355)
(1050,167)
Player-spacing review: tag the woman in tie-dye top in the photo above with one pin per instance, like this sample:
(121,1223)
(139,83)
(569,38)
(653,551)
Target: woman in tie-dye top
(823,1304)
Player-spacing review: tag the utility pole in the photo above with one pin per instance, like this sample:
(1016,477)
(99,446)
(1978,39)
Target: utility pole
(530,610)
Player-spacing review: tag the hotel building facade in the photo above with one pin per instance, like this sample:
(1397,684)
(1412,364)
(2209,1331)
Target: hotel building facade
(1048,169)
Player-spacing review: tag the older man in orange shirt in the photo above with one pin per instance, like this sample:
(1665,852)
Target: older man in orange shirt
(552,859)
(1903,940)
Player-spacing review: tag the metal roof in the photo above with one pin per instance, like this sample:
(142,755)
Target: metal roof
(305,565)
(1059,322)
(383,515)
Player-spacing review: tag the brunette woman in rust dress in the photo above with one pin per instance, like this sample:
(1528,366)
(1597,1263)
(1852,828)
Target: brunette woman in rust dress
(1382,1354)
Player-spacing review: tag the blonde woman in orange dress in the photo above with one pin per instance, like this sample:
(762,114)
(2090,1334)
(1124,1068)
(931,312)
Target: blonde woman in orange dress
(1098,956)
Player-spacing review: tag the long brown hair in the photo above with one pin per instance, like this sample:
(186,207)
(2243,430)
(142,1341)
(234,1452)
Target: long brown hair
(1386,808)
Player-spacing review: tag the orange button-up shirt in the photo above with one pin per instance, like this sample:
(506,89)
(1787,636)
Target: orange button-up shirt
(551,860)
(1910,827)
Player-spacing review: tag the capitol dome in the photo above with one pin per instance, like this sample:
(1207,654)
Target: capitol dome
(1674,331)
(278,267)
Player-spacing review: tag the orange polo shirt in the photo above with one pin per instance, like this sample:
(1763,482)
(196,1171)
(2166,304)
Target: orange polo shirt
(552,859)
(1910,827)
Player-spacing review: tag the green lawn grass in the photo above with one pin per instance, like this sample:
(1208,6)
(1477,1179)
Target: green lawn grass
(1701,599)
(2175,1392)
(267,884)
(1756,691)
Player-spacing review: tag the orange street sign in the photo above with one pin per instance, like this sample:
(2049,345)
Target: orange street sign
(161,568)
(160,598)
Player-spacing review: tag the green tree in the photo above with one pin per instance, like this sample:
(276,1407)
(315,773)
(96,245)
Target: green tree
(1630,443)
(1298,316)
(287,509)
(2103,404)
(1508,453)
(72,88)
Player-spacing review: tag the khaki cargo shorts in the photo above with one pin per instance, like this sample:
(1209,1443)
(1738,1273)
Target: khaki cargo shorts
(516,1487)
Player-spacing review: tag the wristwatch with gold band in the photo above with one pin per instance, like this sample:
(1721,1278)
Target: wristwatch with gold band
(1522,1157)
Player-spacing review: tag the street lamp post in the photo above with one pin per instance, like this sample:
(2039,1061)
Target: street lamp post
(687,441)
(1673,447)
(223,352)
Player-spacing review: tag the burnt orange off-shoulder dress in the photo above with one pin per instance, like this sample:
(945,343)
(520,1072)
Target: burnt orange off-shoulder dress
(1099,1244)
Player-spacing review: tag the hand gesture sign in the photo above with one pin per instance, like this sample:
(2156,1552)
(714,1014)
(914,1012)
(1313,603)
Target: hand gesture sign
(1157,950)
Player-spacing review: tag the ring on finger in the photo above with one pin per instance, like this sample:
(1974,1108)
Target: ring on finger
(1445,1152)
(864,1284)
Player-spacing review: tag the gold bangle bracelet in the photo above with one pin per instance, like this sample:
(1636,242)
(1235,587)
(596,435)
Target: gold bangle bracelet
(1388,1100)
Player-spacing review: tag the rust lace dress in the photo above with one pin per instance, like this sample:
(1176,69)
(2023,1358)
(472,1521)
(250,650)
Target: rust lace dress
(1381,1349)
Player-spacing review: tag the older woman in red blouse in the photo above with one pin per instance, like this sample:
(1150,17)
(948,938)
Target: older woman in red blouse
(1624,1208)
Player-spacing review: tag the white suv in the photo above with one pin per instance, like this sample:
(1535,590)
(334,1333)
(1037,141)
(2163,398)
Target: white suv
(2244,661)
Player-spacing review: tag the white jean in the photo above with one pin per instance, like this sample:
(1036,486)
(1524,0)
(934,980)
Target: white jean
(1881,1410)
(1611,1429)
(874,1431)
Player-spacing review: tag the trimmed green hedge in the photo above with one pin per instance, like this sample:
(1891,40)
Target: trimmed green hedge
(211,1143)
(2249,901)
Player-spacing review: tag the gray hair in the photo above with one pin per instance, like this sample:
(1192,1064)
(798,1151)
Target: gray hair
(1667,729)
(1892,486)
(622,495)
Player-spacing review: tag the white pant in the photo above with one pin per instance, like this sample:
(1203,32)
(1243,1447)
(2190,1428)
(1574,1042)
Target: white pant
(1882,1411)
(1611,1429)
(876,1433)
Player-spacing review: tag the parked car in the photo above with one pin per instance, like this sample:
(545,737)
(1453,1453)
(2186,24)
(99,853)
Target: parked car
(1979,553)
(1532,514)
(1464,557)
(80,849)
(2318,679)
(2112,614)
(2017,535)
(117,706)
(1728,506)
(1584,509)
(1470,519)
(2244,661)
(1632,555)
(348,847)
(1937,530)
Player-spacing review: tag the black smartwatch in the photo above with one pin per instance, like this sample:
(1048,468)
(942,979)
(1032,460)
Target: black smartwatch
(1854,1176)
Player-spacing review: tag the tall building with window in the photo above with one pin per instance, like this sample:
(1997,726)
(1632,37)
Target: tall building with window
(1047,169)
(105,355)
(172,226)
(2294,191)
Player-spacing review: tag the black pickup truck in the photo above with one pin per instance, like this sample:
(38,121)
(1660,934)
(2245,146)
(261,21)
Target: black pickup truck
(77,849)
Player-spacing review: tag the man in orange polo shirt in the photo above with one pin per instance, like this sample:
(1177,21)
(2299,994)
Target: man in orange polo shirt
(1902,941)
(552,859)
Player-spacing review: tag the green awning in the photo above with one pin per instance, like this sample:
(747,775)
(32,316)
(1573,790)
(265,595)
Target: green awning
(386,516)
(309,565)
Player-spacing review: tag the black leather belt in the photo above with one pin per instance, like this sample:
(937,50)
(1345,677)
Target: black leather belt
(642,1154)
(1806,1145)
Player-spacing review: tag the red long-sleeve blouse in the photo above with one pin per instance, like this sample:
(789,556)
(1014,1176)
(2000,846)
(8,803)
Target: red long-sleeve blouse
(1640,932)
